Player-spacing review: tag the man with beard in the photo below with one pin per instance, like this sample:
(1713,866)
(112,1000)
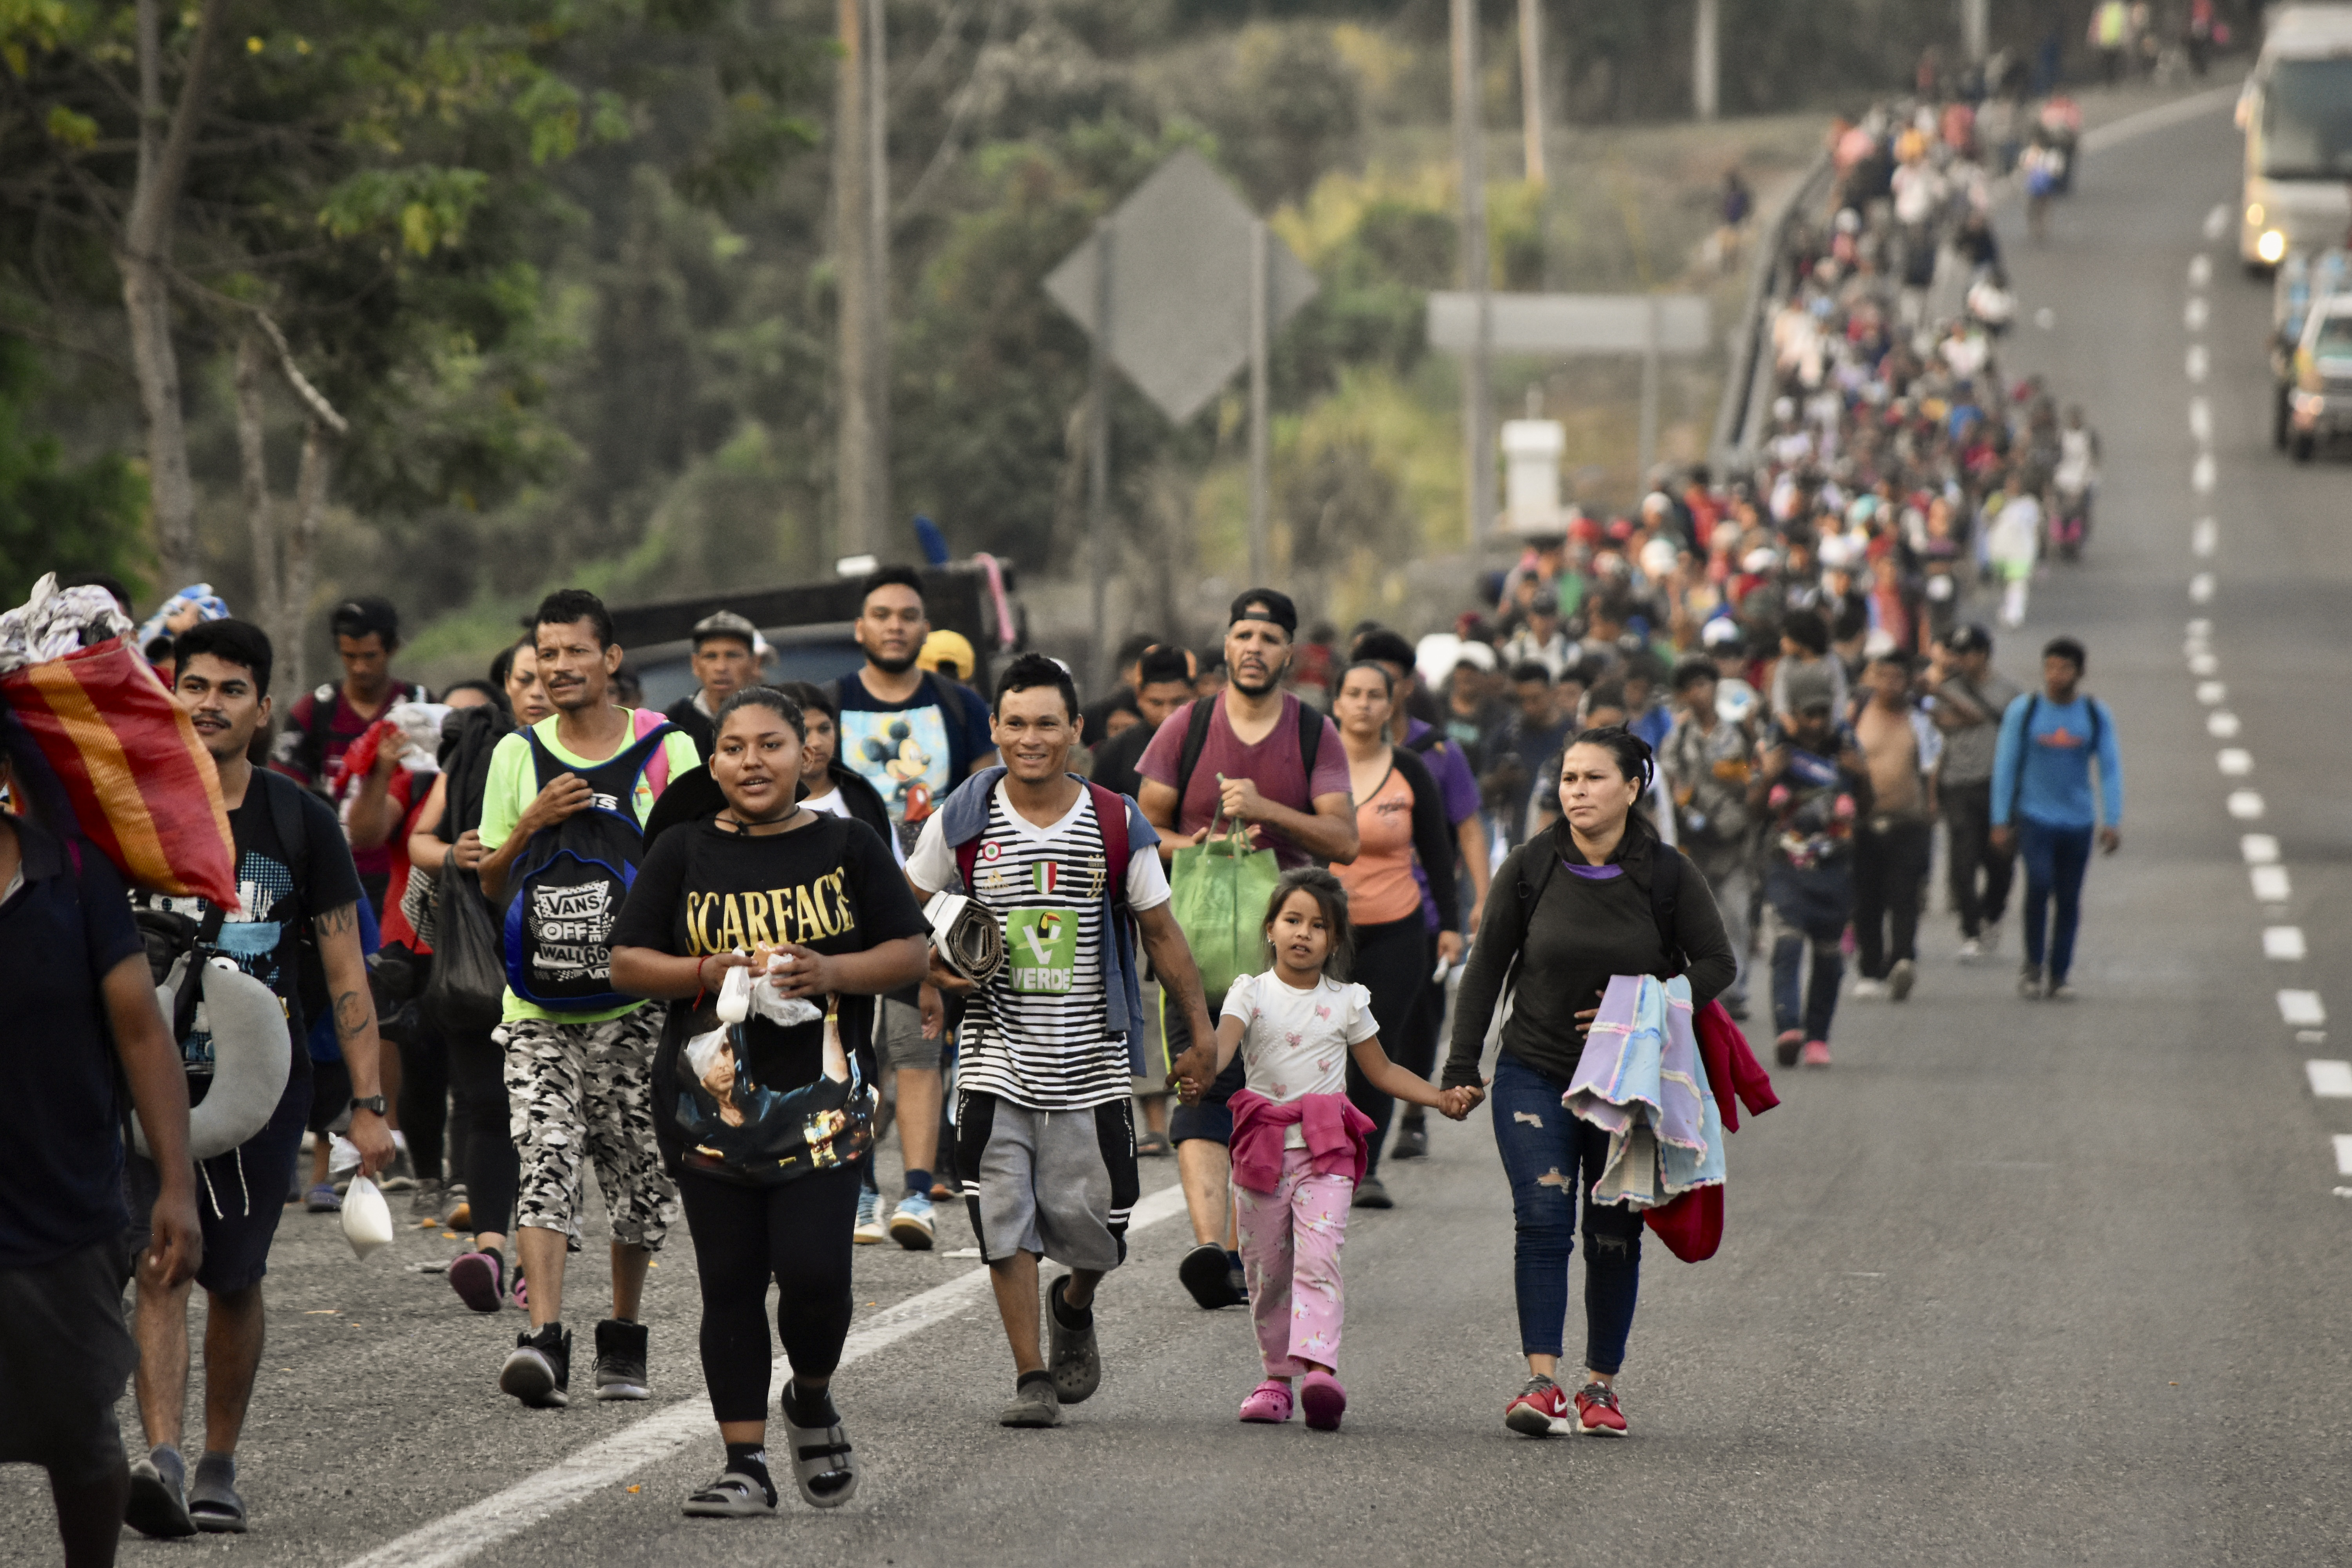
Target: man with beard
(1257,755)
(914,736)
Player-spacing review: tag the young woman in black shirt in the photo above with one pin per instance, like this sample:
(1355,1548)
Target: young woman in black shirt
(763,1137)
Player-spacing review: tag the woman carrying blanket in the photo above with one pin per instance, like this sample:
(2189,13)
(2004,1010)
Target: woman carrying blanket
(1558,939)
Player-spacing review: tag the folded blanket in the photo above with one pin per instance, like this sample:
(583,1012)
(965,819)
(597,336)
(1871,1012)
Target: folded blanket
(1640,1081)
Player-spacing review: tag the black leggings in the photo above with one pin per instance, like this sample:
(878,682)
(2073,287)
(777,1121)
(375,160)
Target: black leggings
(486,1149)
(1389,960)
(797,1235)
(424,1098)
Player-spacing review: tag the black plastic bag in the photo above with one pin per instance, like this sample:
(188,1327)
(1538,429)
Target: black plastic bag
(466,992)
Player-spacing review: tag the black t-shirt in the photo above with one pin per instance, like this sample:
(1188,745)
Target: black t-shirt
(60,1140)
(832,886)
(282,889)
(1116,758)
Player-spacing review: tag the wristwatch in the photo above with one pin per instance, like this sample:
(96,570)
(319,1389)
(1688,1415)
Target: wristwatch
(374,1102)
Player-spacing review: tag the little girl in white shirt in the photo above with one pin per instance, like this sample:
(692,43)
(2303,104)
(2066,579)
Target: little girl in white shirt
(1298,1143)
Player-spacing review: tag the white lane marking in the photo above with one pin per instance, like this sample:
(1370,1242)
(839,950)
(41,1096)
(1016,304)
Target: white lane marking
(2200,413)
(2217,223)
(2198,362)
(2258,848)
(2329,1080)
(2221,725)
(2203,664)
(470,1531)
(2192,315)
(2284,944)
(2200,628)
(2205,535)
(2211,102)
(2201,268)
(2201,474)
(2343,1142)
(2272,884)
(2302,1009)
(2208,692)
(2235,761)
(2246,804)
(2046,319)
(2201,587)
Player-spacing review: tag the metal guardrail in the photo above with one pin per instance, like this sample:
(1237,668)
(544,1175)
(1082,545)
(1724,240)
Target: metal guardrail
(1747,390)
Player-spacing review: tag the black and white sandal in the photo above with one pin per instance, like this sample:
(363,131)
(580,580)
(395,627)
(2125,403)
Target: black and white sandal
(733,1495)
(824,1465)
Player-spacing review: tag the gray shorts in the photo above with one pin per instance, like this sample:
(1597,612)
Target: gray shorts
(1059,1184)
(64,1358)
(898,1037)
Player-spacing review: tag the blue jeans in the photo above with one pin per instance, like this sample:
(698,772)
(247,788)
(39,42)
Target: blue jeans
(1550,1157)
(1812,904)
(2055,859)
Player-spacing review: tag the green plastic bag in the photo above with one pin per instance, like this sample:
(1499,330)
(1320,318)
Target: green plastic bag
(1220,889)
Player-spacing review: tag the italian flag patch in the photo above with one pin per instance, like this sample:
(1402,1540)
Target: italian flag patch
(1046,876)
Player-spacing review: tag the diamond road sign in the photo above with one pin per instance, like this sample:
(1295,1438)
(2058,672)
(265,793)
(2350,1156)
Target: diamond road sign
(1180,285)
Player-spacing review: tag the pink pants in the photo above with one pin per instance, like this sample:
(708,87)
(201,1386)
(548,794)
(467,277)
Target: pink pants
(1290,1240)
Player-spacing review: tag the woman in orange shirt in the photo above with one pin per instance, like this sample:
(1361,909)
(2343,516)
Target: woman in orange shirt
(1399,814)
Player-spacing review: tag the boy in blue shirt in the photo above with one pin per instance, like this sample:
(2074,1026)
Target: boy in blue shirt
(2042,803)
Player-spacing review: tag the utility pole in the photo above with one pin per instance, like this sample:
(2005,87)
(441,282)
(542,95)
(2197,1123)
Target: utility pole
(1706,56)
(877,264)
(1976,29)
(1098,541)
(1469,149)
(1531,103)
(1259,395)
(853,235)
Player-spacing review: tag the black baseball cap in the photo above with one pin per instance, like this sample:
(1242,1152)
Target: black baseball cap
(359,618)
(1266,604)
(1969,638)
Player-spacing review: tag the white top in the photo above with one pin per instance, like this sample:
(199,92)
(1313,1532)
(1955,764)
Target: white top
(1038,1034)
(834,806)
(1296,1043)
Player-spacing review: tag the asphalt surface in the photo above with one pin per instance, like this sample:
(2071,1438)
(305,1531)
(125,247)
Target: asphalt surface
(2010,1283)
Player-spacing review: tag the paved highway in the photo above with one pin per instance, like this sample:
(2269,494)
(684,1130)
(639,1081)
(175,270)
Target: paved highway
(2010,1283)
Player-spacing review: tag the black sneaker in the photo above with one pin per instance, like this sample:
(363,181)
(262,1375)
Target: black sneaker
(159,1497)
(1412,1142)
(2029,981)
(621,1360)
(1072,1354)
(1205,1272)
(539,1371)
(1371,1194)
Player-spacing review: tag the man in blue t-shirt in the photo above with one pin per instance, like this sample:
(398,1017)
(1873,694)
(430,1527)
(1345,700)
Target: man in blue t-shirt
(75,972)
(914,736)
(2043,804)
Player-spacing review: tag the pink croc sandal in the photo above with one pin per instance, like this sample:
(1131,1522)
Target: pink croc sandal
(1324,1399)
(1269,1402)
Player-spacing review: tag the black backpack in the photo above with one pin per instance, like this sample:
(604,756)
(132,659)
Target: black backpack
(567,887)
(1196,741)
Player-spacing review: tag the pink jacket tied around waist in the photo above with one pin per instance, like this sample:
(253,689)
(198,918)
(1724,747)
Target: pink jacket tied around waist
(1335,1133)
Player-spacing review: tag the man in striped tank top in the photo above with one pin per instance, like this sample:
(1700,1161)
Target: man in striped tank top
(1045,1137)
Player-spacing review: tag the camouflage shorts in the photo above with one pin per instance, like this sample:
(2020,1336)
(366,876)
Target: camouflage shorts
(581,1093)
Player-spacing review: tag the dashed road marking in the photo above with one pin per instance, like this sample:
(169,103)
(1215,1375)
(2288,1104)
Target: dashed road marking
(2271,886)
(2246,804)
(2258,848)
(2217,222)
(2343,1142)
(2202,664)
(2200,270)
(2284,944)
(2199,362)
(2205,535)
(2193,315)
(2208,692)
(2201,474)
(2201,587)
(2235,761)
(2220,725)
(2200,629)
(2301,1009)
(2329,1080)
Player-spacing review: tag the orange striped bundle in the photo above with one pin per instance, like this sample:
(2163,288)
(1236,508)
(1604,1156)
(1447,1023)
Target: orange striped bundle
(142,786)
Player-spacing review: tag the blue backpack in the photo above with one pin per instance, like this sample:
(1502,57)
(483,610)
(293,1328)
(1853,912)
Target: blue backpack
(567,887)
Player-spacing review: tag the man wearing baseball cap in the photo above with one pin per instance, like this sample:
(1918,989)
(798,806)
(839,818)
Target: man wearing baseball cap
(726,659)
(1257,755)
(1968,699)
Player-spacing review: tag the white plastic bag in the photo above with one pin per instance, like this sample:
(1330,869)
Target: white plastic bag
(367,1218)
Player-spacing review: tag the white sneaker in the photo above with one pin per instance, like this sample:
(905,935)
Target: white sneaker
(1992,938)
(1868,989)
(869,1220)
(1971,949)
(1900,979)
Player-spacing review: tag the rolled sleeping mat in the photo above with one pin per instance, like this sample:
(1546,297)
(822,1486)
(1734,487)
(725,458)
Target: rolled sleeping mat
(966,936)
(250,1060)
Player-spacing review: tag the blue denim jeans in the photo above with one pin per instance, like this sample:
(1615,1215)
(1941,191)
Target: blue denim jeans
(2055,859)
(1551,1158)
(1810,904)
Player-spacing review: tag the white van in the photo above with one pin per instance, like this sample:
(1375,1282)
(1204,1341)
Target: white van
(2296,112)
